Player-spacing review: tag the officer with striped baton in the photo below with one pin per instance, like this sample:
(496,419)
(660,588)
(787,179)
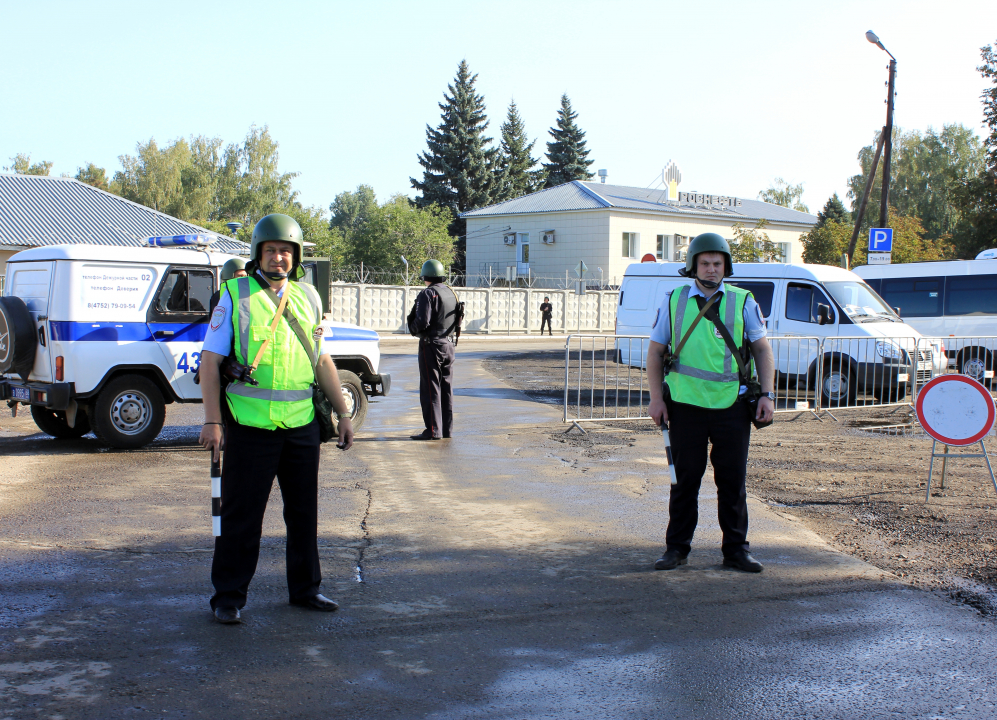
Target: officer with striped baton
(706,401)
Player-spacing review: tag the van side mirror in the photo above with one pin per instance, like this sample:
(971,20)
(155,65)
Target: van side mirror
(897,311)
(823,314)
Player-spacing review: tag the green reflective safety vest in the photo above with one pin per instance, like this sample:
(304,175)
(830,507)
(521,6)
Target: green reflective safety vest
(706,372)
(283,398)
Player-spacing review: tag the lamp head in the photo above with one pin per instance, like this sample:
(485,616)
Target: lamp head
(872,37)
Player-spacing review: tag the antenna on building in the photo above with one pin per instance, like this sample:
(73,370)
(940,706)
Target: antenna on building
(602,175)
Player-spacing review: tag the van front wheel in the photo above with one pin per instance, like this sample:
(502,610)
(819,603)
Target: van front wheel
(129,412)
(837,386)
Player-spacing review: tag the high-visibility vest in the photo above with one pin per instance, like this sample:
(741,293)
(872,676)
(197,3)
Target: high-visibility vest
(706,372)
(283,398)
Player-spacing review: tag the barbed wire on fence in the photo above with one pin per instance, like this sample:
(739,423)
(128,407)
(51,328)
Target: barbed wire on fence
(370,275)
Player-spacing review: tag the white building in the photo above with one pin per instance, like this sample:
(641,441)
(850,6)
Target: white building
(39,210)
(546,233)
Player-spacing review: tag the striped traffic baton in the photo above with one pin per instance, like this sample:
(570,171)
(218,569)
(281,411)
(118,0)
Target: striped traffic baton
(668,453)
(216,497)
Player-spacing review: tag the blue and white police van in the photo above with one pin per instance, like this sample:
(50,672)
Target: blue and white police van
(103,338)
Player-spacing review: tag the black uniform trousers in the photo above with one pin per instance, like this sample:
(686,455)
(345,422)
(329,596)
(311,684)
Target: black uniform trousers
(691,428)
(545,320)
(436,358)
(253,457)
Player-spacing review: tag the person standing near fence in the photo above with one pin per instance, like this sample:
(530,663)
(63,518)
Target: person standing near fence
(434,320)
(546,313)
(702,399)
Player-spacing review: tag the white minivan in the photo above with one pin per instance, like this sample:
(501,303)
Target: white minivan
(955,301)
(866,346)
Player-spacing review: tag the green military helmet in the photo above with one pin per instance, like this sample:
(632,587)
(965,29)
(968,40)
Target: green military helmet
(231,267)
(707,242)
(284,228)
(432,269)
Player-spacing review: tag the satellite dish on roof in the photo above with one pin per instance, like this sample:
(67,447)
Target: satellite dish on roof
(987,255)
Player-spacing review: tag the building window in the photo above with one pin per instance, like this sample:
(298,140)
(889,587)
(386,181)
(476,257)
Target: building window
(680,246)
(631,241)
(662,248)
(785,252)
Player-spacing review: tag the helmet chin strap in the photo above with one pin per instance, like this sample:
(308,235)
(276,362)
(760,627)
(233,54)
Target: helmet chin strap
(708,284)
(272,275)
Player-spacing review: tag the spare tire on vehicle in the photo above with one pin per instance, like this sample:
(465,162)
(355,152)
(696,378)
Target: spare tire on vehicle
(18,343)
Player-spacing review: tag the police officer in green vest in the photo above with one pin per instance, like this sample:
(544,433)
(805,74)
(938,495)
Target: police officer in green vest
(701,399)
(269,427)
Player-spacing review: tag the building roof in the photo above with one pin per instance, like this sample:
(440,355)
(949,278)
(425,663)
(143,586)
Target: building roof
(581,195)
(39,210)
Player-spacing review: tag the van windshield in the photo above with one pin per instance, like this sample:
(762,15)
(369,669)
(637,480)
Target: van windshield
(860,303)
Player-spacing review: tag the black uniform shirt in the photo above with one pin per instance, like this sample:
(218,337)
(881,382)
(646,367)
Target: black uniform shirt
(546,308)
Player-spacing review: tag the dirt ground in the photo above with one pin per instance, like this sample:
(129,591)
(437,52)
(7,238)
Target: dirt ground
(861,489)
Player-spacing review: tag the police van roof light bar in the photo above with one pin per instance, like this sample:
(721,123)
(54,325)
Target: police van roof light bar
(181,240)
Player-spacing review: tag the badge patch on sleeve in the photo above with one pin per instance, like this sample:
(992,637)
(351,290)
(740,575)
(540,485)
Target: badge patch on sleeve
(656,316)
(217,317)
(761,318)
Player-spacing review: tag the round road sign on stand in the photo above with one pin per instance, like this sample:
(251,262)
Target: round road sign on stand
(955,410)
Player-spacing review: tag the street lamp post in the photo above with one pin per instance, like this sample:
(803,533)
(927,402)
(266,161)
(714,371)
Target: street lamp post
(888,144)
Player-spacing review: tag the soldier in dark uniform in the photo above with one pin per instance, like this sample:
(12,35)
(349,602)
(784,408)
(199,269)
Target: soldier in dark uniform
(233,267)
(434,320)
(546,313)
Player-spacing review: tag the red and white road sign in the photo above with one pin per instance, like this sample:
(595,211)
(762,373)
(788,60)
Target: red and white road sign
(955,410)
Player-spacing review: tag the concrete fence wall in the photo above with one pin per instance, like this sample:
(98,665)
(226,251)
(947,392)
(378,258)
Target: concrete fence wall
(487,310)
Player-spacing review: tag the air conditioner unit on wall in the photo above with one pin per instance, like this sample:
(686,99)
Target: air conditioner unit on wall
(509,239)
(548,237)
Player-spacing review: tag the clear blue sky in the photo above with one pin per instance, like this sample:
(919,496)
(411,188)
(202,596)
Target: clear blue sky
(736,93)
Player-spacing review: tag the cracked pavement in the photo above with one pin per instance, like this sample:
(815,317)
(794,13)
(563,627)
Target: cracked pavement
(503,574)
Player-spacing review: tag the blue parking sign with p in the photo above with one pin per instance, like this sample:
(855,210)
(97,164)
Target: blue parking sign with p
(881,240)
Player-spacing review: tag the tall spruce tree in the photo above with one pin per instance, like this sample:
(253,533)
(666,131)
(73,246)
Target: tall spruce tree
(458,165)
(567,155)
(519,174)
(834,210)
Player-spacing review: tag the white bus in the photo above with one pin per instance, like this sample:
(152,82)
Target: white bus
(954,301)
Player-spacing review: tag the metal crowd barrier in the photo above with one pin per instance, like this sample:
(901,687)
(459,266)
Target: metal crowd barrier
(972,355)
(605,379)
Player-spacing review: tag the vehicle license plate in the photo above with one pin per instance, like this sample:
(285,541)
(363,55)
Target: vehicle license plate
(805,405)
(903,377)
(21,393)
(924,365)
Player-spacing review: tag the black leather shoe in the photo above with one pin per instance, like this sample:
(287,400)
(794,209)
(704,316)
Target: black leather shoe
(743,561)
(424,435)
(228,615)
(317,602)
(671,559)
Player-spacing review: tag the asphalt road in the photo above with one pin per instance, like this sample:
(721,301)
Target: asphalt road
(505,573)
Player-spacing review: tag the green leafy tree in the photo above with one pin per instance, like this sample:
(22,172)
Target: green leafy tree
(458,165)
(927,172)
(825,245)
(21,164)
(826,241)
(834,210)
(976,197)
(379,235)
(567,154)
(399,228)
(753,244)
(518,168)
(782,193)
(95,176)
